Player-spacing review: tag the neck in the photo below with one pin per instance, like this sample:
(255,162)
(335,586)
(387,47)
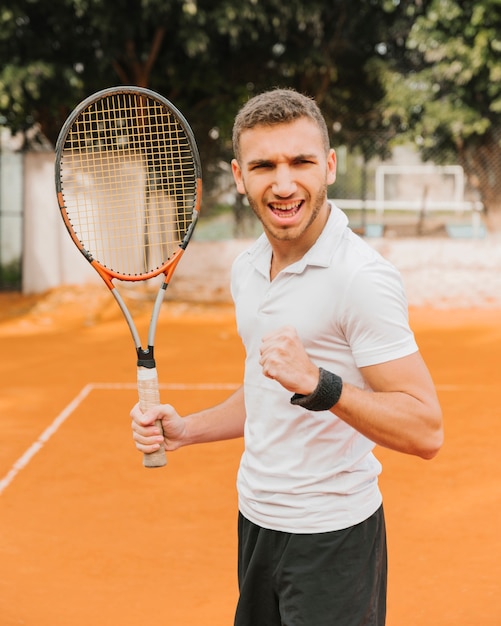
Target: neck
(283,256)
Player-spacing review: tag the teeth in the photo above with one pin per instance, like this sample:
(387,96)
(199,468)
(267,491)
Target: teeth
(285,207)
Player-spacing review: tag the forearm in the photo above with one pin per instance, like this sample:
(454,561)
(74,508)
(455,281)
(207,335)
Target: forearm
(218,423)
(401,412)
(394,420)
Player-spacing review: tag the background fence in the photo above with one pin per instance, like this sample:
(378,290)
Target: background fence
(11,219)
(398,197)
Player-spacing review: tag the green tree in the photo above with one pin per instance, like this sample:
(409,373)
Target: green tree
(449,99)
(206,56)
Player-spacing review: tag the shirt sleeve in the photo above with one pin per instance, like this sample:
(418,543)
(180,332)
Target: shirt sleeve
(376,322)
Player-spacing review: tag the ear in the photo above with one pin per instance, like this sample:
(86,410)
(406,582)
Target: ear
(237,175)
(331,167)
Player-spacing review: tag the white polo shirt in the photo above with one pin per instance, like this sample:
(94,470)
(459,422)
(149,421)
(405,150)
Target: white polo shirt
(304,471)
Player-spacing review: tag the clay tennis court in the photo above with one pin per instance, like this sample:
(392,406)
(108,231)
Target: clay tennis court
(87,536)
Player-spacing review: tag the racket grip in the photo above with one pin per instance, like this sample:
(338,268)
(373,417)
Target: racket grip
(149,396)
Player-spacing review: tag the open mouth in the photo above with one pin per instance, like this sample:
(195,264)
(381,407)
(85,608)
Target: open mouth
(287,210)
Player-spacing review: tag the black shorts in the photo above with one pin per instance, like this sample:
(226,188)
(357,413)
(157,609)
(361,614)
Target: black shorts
(326,579)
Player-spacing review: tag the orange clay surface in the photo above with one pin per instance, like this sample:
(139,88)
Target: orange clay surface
(89,537)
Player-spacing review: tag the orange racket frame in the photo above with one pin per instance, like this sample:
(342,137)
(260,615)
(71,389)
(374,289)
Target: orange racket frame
(121,151)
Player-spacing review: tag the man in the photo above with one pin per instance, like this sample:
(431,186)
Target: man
(331,369)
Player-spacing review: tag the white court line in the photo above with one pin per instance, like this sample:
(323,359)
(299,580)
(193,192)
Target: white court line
(465,387)
(25,458)
(35,447)
(173,386)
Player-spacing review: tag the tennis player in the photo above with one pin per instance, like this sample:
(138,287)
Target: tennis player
(331,370)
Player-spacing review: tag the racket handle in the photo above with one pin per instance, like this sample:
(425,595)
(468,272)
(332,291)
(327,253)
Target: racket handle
(149,396)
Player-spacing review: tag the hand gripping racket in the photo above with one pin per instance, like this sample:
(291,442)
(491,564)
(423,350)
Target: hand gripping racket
(128,182)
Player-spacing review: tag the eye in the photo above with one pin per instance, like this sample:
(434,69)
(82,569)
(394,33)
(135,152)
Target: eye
(262,165)
(303,161)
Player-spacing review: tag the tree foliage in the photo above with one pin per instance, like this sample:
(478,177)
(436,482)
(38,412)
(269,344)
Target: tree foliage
(206,56)
(428,70)
(449,100)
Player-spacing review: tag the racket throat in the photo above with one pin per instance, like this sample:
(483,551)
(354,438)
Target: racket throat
(145,358)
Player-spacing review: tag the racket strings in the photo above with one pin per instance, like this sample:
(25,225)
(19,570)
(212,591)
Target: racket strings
(129,182)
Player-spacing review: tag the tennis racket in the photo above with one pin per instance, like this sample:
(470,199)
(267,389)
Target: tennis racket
(128,182)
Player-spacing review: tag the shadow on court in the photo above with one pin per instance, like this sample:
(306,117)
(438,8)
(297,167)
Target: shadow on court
(87,536)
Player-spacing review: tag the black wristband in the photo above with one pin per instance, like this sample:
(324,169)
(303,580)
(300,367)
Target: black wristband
(325,396)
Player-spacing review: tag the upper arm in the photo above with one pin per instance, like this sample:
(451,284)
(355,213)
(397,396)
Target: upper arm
(408,375)
(403,412)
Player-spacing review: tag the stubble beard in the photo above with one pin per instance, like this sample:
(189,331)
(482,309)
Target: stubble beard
(290,234)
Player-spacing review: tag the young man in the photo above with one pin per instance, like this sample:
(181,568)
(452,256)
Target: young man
(331,370)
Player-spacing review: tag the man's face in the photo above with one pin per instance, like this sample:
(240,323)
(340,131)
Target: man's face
(284,171)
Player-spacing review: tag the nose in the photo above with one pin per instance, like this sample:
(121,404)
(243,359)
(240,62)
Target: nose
(284,184)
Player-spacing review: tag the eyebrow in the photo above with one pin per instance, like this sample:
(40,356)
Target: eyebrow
(297,157)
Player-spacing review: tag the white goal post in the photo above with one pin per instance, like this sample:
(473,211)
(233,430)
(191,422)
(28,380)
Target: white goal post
(421,187)
(416,188)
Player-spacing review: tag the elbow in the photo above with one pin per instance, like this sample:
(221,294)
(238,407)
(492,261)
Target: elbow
(430,451)
(433,441)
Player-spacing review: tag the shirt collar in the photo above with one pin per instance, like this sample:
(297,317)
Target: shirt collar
(320,254)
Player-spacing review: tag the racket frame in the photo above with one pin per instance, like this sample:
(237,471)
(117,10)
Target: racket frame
(147,377)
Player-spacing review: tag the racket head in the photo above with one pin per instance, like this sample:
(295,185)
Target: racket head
(128,181)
